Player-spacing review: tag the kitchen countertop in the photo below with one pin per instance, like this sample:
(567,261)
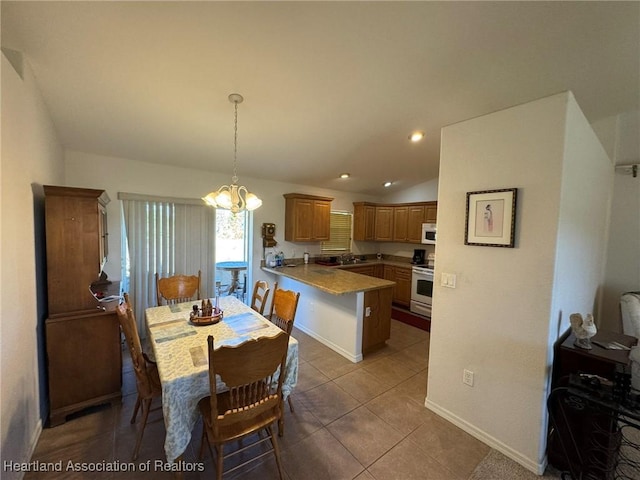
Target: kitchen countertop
(333,280)
(374,262)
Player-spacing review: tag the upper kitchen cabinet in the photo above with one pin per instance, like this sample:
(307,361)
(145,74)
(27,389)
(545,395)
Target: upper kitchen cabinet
(364,221)
(384,223)
(401,222)
(307,218)
(431,212)
(416,216)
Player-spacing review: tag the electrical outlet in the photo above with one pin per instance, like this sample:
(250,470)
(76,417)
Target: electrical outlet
(467,377)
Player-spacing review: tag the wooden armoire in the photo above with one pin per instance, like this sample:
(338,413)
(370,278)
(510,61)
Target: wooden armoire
(83,340)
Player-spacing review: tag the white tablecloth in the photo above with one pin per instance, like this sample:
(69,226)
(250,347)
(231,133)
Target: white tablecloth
(183,364)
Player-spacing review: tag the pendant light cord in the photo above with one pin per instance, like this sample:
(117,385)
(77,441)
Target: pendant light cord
(235,144)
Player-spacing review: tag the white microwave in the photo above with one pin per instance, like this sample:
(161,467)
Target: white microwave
(429,233)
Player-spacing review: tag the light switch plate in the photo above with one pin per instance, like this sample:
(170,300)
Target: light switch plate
(448,280)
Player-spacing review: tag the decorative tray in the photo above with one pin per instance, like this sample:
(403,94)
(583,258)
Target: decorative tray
(199,320)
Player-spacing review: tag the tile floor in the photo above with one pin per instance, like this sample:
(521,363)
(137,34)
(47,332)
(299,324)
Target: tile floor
(352,421)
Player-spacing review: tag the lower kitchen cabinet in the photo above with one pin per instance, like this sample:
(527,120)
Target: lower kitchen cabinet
(369,270)
(403,286)
(402,277)
(84,362)
(376,328)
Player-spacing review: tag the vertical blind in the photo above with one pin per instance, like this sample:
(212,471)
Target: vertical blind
(340,233)
(169,236)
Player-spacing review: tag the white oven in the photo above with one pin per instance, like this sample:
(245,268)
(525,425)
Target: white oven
(421,290)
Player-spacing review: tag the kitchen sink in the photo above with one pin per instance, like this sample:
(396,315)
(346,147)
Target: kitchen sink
(354,262)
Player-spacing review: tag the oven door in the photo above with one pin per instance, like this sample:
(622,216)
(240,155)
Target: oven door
(421,285)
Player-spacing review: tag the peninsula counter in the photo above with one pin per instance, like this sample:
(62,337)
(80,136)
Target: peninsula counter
(348,312)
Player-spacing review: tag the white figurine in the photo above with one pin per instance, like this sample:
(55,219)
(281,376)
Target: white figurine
(583,330)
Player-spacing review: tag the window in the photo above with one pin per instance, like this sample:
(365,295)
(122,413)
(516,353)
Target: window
(167,236)
(340,233)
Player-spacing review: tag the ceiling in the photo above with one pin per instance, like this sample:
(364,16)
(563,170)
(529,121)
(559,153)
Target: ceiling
(329,87)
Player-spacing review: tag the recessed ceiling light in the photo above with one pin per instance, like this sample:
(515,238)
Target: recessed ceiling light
(416,136)
(387,184)
(345,175)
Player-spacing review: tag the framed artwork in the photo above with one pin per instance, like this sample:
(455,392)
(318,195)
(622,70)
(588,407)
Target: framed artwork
(491,218)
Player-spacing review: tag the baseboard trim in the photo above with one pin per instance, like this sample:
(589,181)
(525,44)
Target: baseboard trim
(331,345)
(405,316)
(532,466)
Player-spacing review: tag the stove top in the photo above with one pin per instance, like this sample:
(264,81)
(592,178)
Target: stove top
(422,266)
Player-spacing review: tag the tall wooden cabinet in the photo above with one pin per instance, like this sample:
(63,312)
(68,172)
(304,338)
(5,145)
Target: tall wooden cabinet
(83,341)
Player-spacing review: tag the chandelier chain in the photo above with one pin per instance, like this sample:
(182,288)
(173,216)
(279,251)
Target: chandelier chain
(235,144)
(234,197)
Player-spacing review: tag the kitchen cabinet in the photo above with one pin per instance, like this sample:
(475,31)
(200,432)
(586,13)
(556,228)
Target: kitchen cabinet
(363,270)
(431,212)
(415,219)
(402,289)
(376,327)
(378,271)
(400,223)
(384,224)
(83,341)
(372,270)
(403,286)
(307,218)
(392,222)
(364,221)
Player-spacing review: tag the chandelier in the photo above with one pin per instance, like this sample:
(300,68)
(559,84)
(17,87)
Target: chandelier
(233,197)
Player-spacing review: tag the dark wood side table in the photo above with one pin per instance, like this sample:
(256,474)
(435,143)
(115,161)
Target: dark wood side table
(569,359)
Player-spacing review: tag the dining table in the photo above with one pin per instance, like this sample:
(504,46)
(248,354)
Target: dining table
(235,268)
(181,354)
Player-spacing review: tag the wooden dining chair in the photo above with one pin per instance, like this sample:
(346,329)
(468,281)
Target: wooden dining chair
(283,314)
(178,288)
(260,296)
(253,401)
(146,371)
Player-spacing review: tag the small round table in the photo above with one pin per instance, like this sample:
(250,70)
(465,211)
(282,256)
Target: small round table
(234,268)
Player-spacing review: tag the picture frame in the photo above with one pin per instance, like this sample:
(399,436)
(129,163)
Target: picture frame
(490,219)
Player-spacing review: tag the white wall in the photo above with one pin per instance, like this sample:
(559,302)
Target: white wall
(424,192)
(125,175)
(496,323)
(31,157)
(619,135)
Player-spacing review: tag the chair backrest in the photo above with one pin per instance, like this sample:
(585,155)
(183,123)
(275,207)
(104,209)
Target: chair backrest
(283,309)
(128,324)
(260,295)
(178,288)
(248,370)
